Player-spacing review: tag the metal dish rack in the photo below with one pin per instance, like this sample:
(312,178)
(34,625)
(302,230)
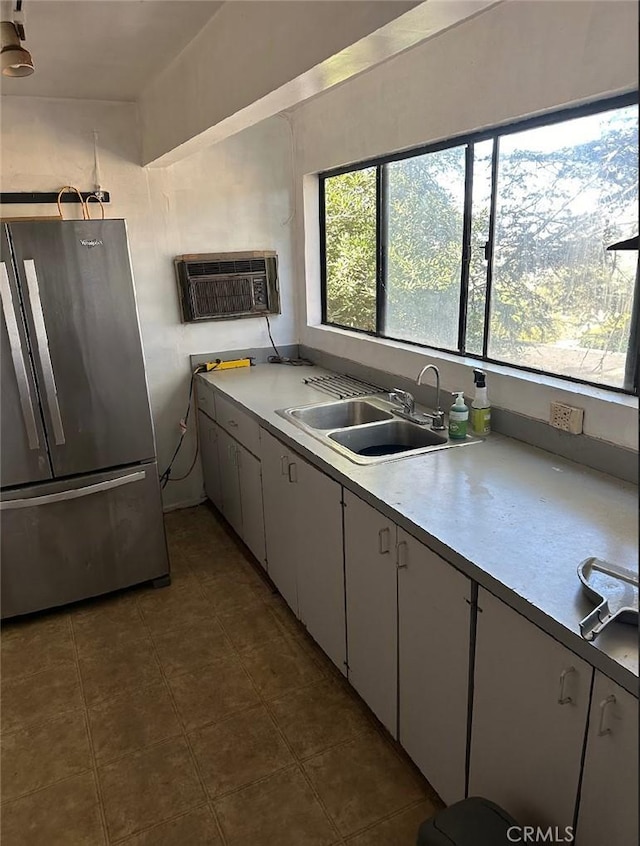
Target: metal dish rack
(343,386)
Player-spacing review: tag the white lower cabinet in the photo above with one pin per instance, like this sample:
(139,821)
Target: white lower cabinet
(530,703)
(434,619)
(208,435)
(608,812)
(303,527)
(250,476)
(230,480)
(279,497)
(372,607)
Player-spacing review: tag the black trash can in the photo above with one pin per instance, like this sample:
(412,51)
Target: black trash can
(471,822)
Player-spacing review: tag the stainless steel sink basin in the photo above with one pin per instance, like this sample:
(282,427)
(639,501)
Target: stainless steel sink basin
(389,438)
(366,430)
(340,415)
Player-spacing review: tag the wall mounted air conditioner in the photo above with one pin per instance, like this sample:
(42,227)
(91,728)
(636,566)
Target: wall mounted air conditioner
(223,286)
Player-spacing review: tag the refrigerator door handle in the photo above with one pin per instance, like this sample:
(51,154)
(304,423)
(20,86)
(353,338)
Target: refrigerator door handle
(74,493)
(17,356)
(43,350)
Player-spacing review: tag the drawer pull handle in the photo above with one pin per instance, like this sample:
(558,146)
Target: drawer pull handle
(562,699)
(233,424)
(603,710)
(402,560)
(384,541)
(293,472)
(284,464)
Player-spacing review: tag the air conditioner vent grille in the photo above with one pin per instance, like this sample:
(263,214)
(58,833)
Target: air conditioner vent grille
(216,268)
(226,296)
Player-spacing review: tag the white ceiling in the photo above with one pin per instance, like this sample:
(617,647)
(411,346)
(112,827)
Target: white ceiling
(104,49)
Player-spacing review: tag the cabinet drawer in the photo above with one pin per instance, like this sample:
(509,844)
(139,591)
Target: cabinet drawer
(238,424)
(206,399)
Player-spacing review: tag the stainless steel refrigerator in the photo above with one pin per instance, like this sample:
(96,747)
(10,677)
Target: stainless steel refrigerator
(80,506)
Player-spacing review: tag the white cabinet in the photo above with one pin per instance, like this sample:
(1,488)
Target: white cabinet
(320,559)
(372,609)
(230,480)
(434,620)
(303,528)
(279,496)
(608,810)
(530,703)
(249,472)
(208,434)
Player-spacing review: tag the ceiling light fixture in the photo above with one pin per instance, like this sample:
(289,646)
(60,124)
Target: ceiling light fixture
(14,59)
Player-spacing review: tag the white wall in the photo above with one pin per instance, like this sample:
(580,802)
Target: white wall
(517,59)
(236,195)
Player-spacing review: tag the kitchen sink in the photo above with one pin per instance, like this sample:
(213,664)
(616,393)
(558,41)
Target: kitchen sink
(388,438)
(340,415)
(367,431)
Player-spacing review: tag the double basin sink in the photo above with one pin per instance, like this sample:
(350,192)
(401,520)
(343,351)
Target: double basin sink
(367,431)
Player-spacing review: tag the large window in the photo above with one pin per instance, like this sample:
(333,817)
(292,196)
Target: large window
(496,245)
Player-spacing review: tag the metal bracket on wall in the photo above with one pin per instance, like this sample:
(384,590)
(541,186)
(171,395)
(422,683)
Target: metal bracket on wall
(29,197)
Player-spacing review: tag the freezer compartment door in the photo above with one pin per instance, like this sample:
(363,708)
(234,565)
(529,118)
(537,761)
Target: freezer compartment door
(23,447)
(77,288)
(65,541)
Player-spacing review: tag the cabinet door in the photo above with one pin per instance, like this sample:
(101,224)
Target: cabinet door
(230,480)
(530,703)
(208,434)
(320,558)
(372,609)
(609,797)
(434,627)
(278,496)
(251,499)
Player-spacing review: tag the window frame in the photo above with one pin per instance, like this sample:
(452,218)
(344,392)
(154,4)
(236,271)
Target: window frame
(468,140)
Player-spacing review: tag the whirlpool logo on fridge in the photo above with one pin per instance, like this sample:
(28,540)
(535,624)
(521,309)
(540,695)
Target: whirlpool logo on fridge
(91,242)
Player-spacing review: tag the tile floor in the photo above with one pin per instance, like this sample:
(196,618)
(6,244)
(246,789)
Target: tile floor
(196,714)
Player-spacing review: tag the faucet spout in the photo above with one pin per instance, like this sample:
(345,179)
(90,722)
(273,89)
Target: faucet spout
(438,417)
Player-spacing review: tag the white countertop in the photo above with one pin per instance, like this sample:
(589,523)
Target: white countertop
(516,519)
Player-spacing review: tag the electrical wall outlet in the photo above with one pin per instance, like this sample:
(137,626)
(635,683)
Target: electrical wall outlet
(566,417)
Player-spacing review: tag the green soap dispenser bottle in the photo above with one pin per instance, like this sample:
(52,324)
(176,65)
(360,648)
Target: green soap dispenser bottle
(458,418)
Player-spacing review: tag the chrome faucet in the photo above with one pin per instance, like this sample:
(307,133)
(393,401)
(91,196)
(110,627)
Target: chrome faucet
(438,417)
(405,399)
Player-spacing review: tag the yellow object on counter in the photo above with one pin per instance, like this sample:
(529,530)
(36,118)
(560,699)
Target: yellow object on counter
(227,365)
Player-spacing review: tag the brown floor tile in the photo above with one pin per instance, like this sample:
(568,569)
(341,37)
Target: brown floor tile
(279,667)
(400,830)
(34,645)
(363,781)
(38,698)
(212,693)
(197,828)
(190,647)
(44,753)
(175,606)
(226,594)
(251,626)
(149,786)
(320,716)
(106,673)
(103,624)
(65,814)
(138,718)
(239,751)
(279,811)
